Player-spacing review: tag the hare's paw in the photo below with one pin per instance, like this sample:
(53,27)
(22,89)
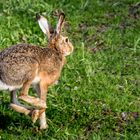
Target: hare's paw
(35,115)
(43,126)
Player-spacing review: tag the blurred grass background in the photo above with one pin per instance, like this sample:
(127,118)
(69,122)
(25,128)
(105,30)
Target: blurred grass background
(98,93)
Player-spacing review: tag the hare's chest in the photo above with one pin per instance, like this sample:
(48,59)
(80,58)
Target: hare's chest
(36,80)
(50,78)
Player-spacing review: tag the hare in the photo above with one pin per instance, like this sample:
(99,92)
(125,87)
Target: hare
(24,65)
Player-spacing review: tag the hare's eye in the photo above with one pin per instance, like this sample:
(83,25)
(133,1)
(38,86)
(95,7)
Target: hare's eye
(67,40)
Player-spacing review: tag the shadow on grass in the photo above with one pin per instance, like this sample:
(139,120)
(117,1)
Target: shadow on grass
(12,119)
(5,120)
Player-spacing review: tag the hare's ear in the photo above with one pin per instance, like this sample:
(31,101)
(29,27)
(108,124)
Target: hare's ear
(60,23)
(44,25)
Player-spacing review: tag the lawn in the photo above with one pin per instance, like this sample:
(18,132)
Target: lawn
(98,94)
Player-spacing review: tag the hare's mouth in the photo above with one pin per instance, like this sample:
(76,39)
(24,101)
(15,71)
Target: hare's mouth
(69,52)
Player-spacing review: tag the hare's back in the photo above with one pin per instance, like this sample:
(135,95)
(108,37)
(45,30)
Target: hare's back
(21,49)
(19,64)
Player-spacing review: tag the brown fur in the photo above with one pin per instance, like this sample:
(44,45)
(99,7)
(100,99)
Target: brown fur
(21,64)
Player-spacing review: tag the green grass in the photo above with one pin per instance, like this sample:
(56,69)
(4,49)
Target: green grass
(98,96)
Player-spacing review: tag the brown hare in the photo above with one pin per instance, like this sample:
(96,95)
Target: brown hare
(24,65)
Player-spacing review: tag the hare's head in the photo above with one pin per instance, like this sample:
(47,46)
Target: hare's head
(56,40)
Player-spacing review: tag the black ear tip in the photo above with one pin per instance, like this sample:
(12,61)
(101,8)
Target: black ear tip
(38,16)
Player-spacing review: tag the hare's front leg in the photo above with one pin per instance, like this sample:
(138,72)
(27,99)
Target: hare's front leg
(41,90)
(43,93)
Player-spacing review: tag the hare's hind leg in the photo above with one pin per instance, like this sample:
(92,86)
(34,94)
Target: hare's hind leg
(25,88)
(37,102)
(13,97)
(14,100)
(30,99)
(17,106)
(34,113)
